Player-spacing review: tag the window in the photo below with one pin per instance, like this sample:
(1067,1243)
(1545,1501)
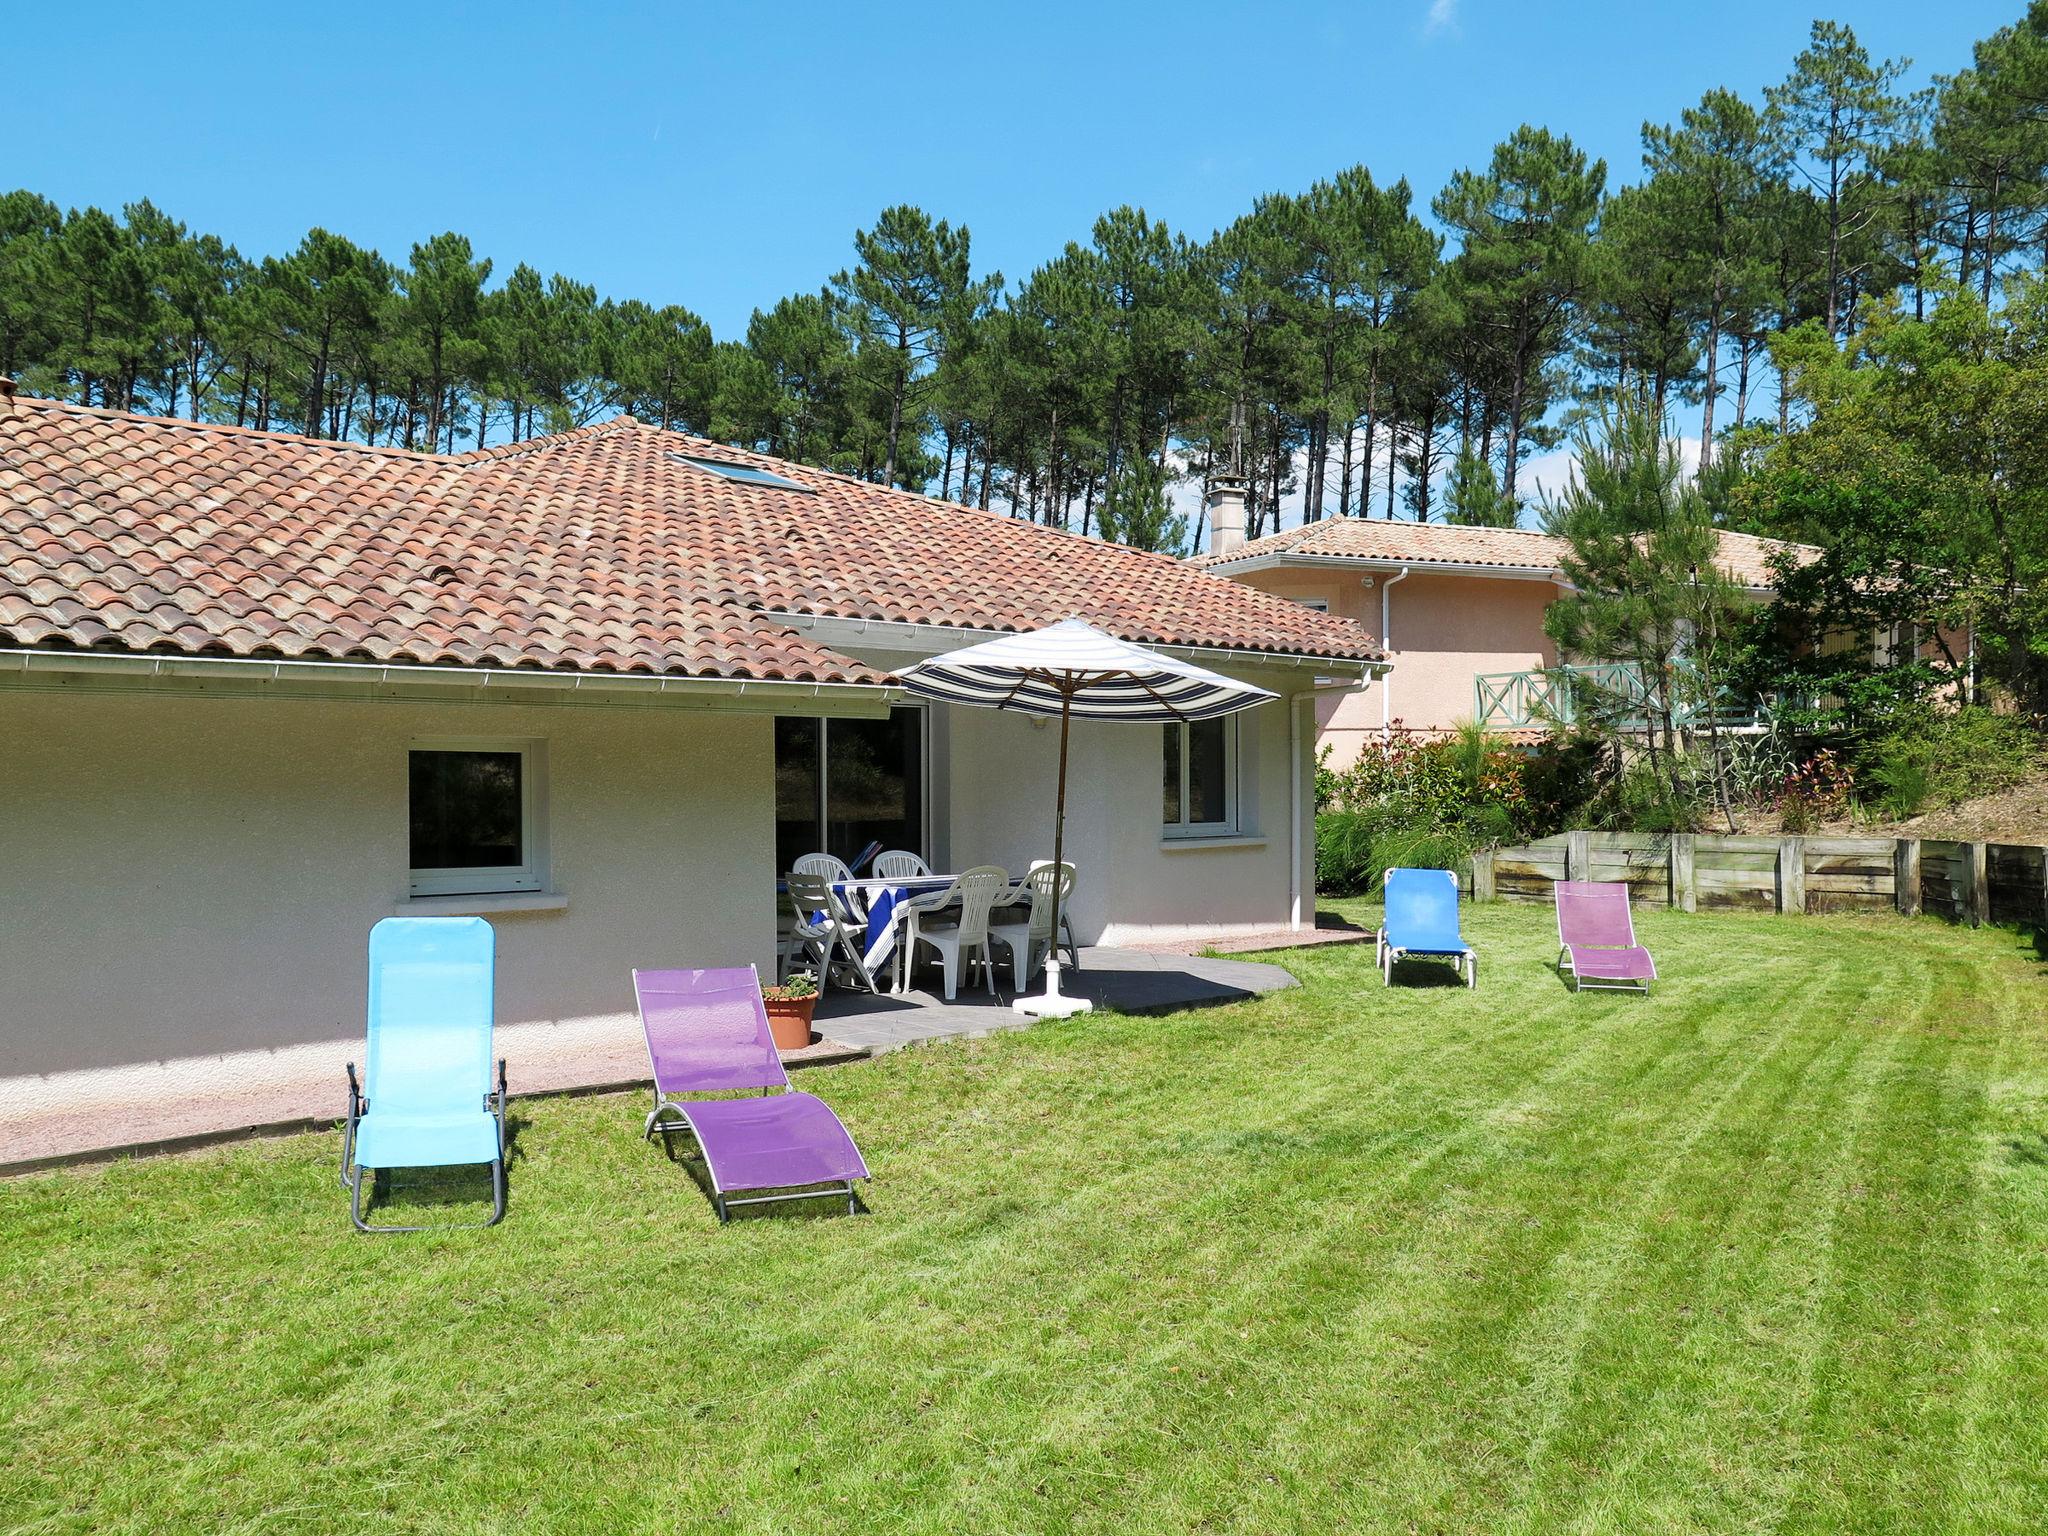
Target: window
(841,785)
(1319,604)
(744,473)
(475,822)
(1200,777)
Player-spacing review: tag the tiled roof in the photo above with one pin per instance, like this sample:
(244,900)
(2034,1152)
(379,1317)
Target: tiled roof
(596,550)
(1744,556)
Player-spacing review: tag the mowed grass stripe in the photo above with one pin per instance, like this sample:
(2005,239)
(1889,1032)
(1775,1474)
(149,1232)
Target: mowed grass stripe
(1341,1258)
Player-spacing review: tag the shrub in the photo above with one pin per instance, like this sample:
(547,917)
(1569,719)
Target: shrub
(1818,788)
(1344,852)
(1642,799)
(1904,784)
(1562,778)
(1413,800)
(1944,757)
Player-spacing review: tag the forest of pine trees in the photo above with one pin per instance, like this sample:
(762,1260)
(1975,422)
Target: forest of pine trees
(1385,358)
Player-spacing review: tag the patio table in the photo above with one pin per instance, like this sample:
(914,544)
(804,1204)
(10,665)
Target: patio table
(885,900)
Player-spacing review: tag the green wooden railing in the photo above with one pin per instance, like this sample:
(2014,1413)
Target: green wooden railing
(1563,694)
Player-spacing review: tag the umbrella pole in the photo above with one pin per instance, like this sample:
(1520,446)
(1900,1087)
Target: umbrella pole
(1051,1004)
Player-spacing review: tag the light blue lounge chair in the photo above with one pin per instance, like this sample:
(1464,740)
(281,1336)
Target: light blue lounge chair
(1422,919)
(426,1099)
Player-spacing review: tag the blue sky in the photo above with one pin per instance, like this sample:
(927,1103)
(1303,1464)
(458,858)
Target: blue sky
(721,157)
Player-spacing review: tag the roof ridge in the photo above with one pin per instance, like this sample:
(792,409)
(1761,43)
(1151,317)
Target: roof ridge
(623,422)
(186,424)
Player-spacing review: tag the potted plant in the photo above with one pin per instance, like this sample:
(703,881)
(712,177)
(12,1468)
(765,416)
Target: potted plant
(789,1010)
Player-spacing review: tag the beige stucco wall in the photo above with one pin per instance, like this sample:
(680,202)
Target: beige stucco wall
(1447,628)
(186,885)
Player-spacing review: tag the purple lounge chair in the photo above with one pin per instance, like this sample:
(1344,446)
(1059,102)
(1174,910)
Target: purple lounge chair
(1597,939)
(707,1031)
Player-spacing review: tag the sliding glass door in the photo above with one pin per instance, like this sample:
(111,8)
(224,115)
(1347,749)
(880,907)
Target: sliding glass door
(844,785)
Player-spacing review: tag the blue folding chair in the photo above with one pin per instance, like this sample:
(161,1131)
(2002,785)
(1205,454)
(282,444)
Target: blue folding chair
(1422,919)
(426,1099)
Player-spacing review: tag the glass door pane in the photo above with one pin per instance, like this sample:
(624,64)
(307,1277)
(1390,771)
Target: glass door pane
(874,783)
(798,779)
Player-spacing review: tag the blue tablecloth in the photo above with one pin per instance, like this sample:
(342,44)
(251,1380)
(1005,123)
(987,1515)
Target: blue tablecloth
(885,905)
(884,910)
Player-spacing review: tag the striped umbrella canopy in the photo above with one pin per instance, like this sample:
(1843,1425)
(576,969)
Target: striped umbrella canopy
(1068,669)
(1072,668)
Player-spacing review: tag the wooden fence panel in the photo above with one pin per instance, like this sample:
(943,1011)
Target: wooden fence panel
(1962,882)
(1748,889)
(2019,883)
(1851,874)
(1941,869)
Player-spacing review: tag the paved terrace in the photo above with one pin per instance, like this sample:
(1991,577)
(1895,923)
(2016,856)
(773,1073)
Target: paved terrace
(1128,980)
(301,1089)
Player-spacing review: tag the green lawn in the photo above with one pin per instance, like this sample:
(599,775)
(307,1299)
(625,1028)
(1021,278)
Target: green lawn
(1768,1251)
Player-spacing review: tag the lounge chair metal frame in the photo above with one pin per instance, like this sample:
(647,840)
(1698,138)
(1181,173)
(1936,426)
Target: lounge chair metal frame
(1465,960)
(722,1200)
(1567,964)
(352,1177)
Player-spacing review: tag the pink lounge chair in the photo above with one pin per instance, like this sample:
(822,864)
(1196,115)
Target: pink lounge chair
(1597,938)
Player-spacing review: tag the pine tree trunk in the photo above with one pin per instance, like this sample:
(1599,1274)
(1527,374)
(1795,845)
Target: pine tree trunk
(1344,477)
(1393,457)
(1990,238)
(1514,446)
(1713,382)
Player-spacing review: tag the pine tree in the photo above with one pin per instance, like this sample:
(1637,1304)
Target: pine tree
(1525,226)
(1839,113)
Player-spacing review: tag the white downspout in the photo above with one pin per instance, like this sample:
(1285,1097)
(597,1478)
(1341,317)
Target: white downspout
(1387,645)
(1301,812)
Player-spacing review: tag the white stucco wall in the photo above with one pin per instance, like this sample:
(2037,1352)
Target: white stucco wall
(186,885)
(996,773)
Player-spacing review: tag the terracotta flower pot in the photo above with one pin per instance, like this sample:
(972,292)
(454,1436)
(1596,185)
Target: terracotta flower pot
(789,1021)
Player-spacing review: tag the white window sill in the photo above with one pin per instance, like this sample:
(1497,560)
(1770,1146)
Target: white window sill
(483,905)
(1219,840)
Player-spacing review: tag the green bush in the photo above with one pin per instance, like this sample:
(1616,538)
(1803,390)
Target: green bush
(1942,758)
(1418,802)
(1642,799)
(1903,785)
(1562,779)
(1354,849)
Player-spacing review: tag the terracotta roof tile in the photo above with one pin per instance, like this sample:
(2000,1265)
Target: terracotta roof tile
(599,549)
(1745,557)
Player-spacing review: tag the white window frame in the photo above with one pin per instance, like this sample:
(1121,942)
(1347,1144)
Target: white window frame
(1229,825)
(1315,604)
(490,880)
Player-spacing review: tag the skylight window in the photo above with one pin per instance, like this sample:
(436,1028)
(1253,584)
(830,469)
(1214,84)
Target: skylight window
(744,473)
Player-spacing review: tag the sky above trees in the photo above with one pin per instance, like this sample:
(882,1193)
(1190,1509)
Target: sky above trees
(710,157)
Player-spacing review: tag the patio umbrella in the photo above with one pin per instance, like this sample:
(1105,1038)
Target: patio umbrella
(1069,669)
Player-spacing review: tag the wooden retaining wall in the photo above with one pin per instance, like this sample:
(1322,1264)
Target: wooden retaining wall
(1962,882)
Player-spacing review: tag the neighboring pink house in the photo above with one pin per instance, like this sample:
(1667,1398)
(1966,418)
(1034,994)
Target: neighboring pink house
(1459,611)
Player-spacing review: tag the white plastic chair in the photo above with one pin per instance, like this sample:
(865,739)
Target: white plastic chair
(1027,941)
(834,869)
(823,930)
(1066,918)
(900,864)
(974,893)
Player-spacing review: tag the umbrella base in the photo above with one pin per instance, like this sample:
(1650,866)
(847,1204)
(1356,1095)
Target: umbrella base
(1051,1004)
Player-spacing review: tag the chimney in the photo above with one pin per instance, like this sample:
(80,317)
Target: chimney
(1225,510)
